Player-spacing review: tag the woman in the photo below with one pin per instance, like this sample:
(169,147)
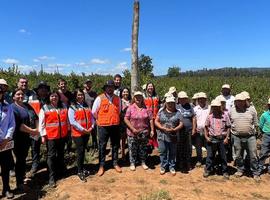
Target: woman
(152,102)
(138,120)
(216,132)
(26,127)
(82,123)
(168,122)
(184,147)
(53,126)
(125,102)
(7,127)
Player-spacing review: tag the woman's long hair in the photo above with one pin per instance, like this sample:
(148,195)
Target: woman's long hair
(154,89)
(129,94)
(75,93)
(59,104)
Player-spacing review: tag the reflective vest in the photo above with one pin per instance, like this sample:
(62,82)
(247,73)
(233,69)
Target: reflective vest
(83,116)
(56,122)
(152,103)
(109,112)
(36,105)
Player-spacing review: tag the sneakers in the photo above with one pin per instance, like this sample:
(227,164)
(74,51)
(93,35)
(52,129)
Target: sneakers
(257,178)
(132,167)
(198,164)
(204,149)
(82,176)
(238,174)
(173,172)
(144,166)
(226,176)
(12,173)
(162,171)
(8,195)
(206,174)
(86,173)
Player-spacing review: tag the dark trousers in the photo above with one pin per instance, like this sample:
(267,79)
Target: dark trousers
(198,141)
(104,133)
(21,147)
(55,159)
(212,149)
(35,151)
(6,164)
(81,143)
(265,152)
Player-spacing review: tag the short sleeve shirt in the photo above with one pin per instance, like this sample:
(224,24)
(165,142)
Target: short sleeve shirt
(188,113)
(218,126)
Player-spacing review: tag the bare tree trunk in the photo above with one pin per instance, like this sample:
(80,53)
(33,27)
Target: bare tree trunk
(134,53)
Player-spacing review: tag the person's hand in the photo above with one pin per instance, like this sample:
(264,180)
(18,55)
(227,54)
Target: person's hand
(193,132)
(34,132)
(89,130)
(135,131)
(226,141)
(152,133)
(207,139)
(3,143)
(43,139)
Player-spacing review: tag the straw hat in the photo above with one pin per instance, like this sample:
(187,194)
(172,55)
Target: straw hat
(3,82)
(227,86)
(240,97)
(170,99)
(138,93)
(215,103)
(182,95)
(172,89)
(201,95)
(246,94)
(221,98)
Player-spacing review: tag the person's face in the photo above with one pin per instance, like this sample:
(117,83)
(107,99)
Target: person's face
(150,88)
(88,86)
(80,97)
(54,99)
(23,84)
(3,88)
(170,105)
(202,101)
(109,90)
(216,109)
(117,81)
(18,96)
(225,91)
(240,103)
(62,86)
(183,101)
(138,99)
(125,94)
(42,92)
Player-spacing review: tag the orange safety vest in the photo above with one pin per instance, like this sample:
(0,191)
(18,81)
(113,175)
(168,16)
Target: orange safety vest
(109,112)
(56,122)
(83,116)
(36,105)
(152,103)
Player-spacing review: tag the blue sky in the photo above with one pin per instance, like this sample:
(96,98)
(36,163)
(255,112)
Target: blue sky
(95,35)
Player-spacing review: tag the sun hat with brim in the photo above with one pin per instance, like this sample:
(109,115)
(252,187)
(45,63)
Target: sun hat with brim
(227,86)
(172,89)
(3,82)
(215,103)
(201,95)
(87,81)
(168,94)
(42,84)
(109,83)
(246,94)
(220,98)
(170,99)
(182,95)
(138,93)
(195,96)
(240,97)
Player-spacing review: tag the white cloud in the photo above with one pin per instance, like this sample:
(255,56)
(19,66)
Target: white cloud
(43,58)
(25,68)
(99,61)
(59,65)
(118,69)
(126,49)
(10,61)
(82,64)
(24,31)
(121,66)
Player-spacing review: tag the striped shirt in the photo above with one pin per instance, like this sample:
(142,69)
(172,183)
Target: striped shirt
(243,123)
(218,126)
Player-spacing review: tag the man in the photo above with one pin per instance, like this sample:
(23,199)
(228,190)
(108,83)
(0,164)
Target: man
(66,96)
(90,97)
(226,92)
(243,123)
(7,127)
(117,79)
(201,112)
(42,93)
(89,94)
(106,110)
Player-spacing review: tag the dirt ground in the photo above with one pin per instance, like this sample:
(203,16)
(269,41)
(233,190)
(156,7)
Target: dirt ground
(147,185)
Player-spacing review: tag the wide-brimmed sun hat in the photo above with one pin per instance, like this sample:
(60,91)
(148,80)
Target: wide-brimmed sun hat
(215,103)
(226,86)
(240,97)
(3,82)
(182,95)
(170,99)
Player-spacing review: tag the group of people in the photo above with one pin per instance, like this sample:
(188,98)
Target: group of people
(143,120)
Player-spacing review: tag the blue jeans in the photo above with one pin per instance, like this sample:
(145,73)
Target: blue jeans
(212,148)
(247,143)
(265,150)
(167,155)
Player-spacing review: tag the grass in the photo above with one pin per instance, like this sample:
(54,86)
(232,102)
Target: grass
(163,181)
(159,195)
(259,196)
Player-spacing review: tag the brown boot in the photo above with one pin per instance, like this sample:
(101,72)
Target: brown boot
(117,168)
(101,171)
